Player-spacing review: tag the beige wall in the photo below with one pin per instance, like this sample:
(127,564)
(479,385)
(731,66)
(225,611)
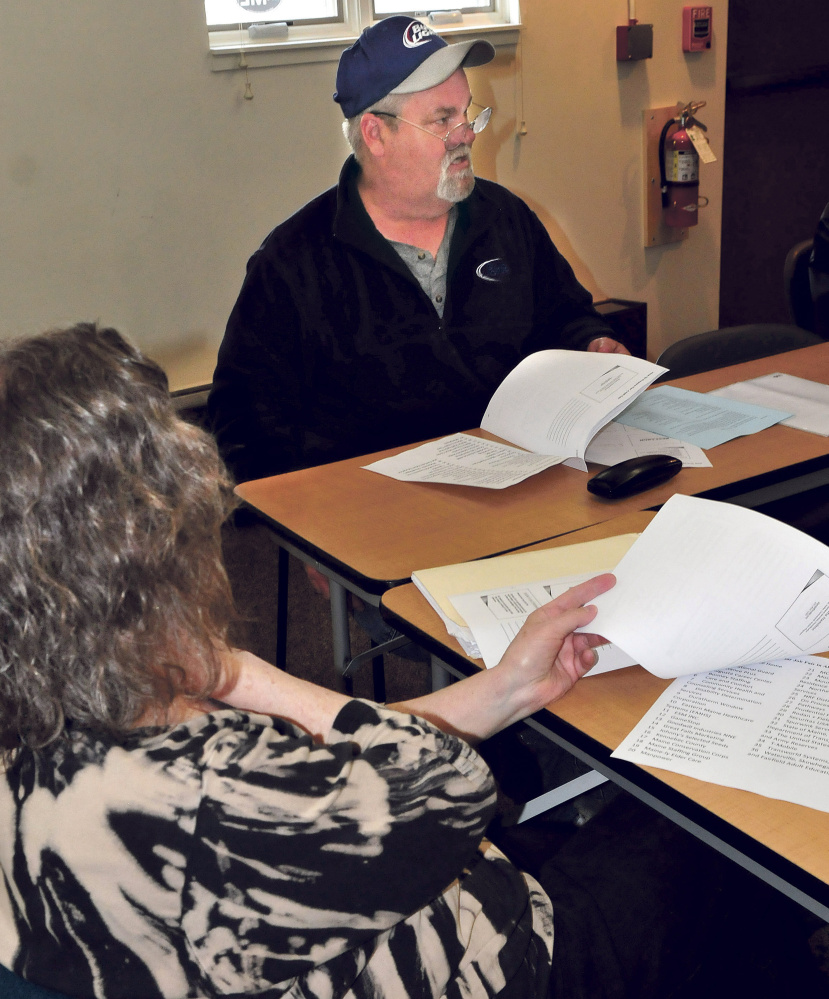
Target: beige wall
(135,181)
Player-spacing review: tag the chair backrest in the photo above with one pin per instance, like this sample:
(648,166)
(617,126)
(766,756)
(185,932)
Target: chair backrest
(14,987)
(796,284)
(731,345)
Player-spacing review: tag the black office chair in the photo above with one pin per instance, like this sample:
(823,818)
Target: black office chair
(731,345)
(796,284)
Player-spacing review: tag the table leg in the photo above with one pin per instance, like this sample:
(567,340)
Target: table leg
(378,675)
(440,676)
(283,564)
(339,630)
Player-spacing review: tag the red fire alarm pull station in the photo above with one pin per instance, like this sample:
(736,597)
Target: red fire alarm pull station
(696,28)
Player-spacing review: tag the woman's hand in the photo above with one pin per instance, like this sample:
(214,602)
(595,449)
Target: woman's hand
(547,657)
(542,663)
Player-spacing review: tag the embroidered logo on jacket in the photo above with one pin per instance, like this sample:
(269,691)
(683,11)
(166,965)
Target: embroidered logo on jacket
(493,270)
(416,34)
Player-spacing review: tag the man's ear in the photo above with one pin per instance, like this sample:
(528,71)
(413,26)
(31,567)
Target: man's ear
(372,129)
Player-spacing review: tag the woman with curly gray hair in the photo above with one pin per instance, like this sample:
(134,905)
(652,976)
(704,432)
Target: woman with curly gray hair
(158,843)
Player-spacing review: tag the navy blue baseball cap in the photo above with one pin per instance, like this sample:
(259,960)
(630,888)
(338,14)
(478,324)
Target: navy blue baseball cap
(400,56)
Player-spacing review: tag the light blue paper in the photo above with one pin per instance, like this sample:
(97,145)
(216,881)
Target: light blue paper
(697,417)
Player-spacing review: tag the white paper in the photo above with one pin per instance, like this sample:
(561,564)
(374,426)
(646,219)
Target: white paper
(710,585)
(698,417)
(761,728)
(463,460)
(496,616)
(554,401)
(616,442)
(808,401)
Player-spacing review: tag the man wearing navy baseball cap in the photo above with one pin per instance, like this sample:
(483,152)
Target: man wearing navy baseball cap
(388,309)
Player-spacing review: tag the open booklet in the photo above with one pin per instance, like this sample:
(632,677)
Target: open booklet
(555,401)
(551,404)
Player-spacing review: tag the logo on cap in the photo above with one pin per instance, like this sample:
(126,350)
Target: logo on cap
(416,34)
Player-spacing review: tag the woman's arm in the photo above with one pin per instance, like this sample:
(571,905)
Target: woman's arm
(255,685)
(541,664)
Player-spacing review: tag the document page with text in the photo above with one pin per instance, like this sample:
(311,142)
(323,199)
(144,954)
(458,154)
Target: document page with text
(808,401)
(697,417)
(464,460)
(761,728)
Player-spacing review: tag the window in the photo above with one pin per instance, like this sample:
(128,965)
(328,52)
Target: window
(273,32)
(230,14)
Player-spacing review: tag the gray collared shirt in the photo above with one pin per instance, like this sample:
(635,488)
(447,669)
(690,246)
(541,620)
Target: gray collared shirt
(430,271)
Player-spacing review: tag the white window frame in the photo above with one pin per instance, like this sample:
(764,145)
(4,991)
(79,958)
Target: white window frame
(325,42)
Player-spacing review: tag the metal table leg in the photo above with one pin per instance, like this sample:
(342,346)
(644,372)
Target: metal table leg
(283,564)
(339,631)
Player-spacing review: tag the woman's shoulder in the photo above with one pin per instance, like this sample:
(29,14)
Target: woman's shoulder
(222,731)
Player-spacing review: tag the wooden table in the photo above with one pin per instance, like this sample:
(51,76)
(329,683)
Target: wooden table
(368,532)
(787,845)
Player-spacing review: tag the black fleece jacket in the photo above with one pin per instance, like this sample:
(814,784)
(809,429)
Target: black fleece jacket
(334,350)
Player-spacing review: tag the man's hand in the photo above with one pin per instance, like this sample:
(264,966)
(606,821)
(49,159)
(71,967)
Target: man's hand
(606,345)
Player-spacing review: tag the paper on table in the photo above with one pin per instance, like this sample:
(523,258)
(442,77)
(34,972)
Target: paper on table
(554,401)
(762,728)
(616,442)
(807,400)
(709,585)
(495,616)
(437,584)
(463,460)
(698,417)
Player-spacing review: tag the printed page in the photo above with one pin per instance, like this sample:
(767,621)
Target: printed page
(463,460)
(496,616)
(698,417)
(761,728)
(710,585)
(807,400)
(554,401)
(616,442)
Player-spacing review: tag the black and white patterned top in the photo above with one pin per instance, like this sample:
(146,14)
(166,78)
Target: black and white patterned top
(232,856)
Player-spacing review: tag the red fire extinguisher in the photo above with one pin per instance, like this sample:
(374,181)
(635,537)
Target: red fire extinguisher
(679,168)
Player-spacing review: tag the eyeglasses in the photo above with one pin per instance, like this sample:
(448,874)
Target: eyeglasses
(478,123)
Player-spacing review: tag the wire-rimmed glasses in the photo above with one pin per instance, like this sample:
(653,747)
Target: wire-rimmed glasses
(477,124)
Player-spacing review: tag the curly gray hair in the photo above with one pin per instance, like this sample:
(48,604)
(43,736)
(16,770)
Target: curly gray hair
(113,595)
